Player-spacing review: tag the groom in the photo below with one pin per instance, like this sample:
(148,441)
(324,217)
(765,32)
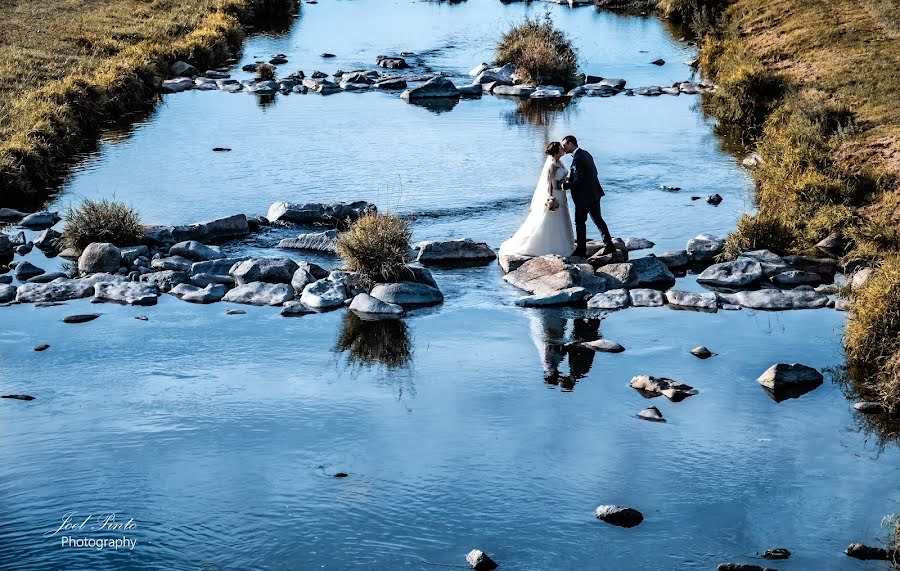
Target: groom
(586,192)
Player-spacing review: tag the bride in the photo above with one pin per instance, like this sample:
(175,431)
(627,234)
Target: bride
(548,228)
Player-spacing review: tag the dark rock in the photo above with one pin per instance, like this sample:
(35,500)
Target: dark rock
(43,347)
(714,199)
(741,567)
(784,381)
(654,386)
(235,312)
(269,270)
(278,61)
(675,259)
(327,55)
(652,414)
(658,62)
(870,407)
(771,264)
(391,62)
(436,87)
(11,215)
(47,240)
(25,270)
(792,278)
(166,280)
(396,83)
(823,266)
(317,213)
(735,274)
(40,220)
(866,553)
(777,553)
(451,253)
(619,276)
(182,69)
(17,397)
(480,561)
(82,318)
(216,230)
(47,277)
(652,273)
(620,516)
(701,352)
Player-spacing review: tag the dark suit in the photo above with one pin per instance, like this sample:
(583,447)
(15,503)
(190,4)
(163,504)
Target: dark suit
(584,186)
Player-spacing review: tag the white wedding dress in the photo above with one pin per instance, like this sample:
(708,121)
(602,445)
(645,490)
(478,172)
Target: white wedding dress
(544,232)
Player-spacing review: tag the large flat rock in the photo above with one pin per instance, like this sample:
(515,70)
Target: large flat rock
(776,299)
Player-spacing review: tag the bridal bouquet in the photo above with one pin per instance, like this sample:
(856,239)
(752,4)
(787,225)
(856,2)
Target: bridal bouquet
(552,204)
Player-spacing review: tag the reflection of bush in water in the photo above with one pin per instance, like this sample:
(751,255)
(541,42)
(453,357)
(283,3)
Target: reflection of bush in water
(854,383)
(385,342)
(538,112)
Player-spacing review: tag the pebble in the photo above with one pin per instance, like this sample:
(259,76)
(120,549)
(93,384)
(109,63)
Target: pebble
(17,397)
(82,318)
(235,312)
(43,347)
(701,352)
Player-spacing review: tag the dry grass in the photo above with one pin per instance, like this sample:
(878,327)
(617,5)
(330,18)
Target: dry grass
(69,66)
(376,247)
(701,15)
(542,54)
(101,221)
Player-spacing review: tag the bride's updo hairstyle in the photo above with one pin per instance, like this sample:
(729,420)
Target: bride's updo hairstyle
(552,149)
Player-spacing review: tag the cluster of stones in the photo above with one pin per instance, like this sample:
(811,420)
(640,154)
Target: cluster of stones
(757,280)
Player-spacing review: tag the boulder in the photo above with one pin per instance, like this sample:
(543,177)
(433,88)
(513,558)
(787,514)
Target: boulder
(784,381)
(219,229)
(182,69)
(269,270)
(826,267)
(860,277)
(260,293)
(302,277)
(511,263)
(415,272)
(131,293)
(776,299)
(25,270)
(48,240)
(7,293)
(602,346)
(100,257)
(735,274)
(176,263)
(480,561)
(47,277)
(674,259)
(770,263)
(434,87)
(793,278)
(562,297)
(619,276)
(62,289)
(395,83)
(203,280)
(654,386)
(176,85)
(391,62)
(866,553)
(317,213)
(646,298)
(446,253)
(407,294)
(632,244)
(295,308)
(777,553)
(6,248)
(514,90)
(158,236)
(701,352)
(221,266)
(714,199)
(166,279)
(211,293)
(11,215)
(130,254)
(316,241)
(610,300)
(652,414)
(652,273)
(473,90)
(617,515)
(690,300)
(195,251)
(40,220)
(549,274)
(369,307)
(835,243)
(705,247)
(324,294)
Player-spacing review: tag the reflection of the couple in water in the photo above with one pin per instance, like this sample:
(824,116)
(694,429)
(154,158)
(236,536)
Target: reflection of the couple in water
(556,337)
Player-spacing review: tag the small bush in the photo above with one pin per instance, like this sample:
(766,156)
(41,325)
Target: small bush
(872,336)
(759,232)
(376,247)
(101,221)
(265,71)
(542,54)
(701,15)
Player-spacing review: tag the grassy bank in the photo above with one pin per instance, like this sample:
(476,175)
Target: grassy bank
(68,67)
(816,97)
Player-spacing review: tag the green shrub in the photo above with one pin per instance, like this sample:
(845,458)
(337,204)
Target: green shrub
(541,53)
(376,247)
(101,221)
(265,71)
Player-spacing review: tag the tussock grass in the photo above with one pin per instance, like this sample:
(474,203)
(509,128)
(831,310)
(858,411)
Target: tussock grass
(67,68)
(265,71)
(376,247)
(101,221)
(759,232)
(700,15)
(542,54)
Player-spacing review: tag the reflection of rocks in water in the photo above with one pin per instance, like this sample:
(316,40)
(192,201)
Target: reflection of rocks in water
(539,112)
(556,339)
(265,101)
(855,383)
(381,342)
(436,104)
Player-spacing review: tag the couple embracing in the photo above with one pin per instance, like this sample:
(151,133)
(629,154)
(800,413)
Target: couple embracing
(548,228)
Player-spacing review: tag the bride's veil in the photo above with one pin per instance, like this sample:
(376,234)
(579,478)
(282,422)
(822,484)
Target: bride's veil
(542,190)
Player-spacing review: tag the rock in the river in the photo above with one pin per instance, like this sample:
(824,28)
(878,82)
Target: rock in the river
(447,253)
(80,318)
(511,263)
(549,274)
(480,561)
(391,62)
(415,272)
(866,552)
(562,297)
(369,307)
(473,90)
(203,280)
(166,279)
(714,199)
(395,83)
(620,516)
(863,407)
(784,381)
(652,414)
(632,244)
(739,273)
(619,276)
(652,273)
(195,251)
(316,241)
(100,257)
(182,69)
(741,567)
(47,241)
(643,297)
(324,294)
(11,215)
(176,263)
(826,267)
(514,90)
(701,352)
(7,293)
(219,229)
(610,300)
(48,277)
(269,270)
(692,301)
(655,386)
(777,553)
(793,278)
(675,259)
(131,254)
(131,293)
(776,299)
(317,213)
(260,293)
(770,263)
(211,293)
(434,87)
(602,346)
(40,220)
(705,247)
(222,266)
(61,289)
(25,270)
(407,294)
(295,308)
(176,85)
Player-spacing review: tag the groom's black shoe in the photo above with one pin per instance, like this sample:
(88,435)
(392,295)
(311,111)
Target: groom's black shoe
(578,254)
(609,248)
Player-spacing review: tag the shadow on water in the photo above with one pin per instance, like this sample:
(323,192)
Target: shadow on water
(556,337)
(854,384)
(382,342)
(436,105)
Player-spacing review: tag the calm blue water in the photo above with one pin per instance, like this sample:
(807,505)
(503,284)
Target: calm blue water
(462,426)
